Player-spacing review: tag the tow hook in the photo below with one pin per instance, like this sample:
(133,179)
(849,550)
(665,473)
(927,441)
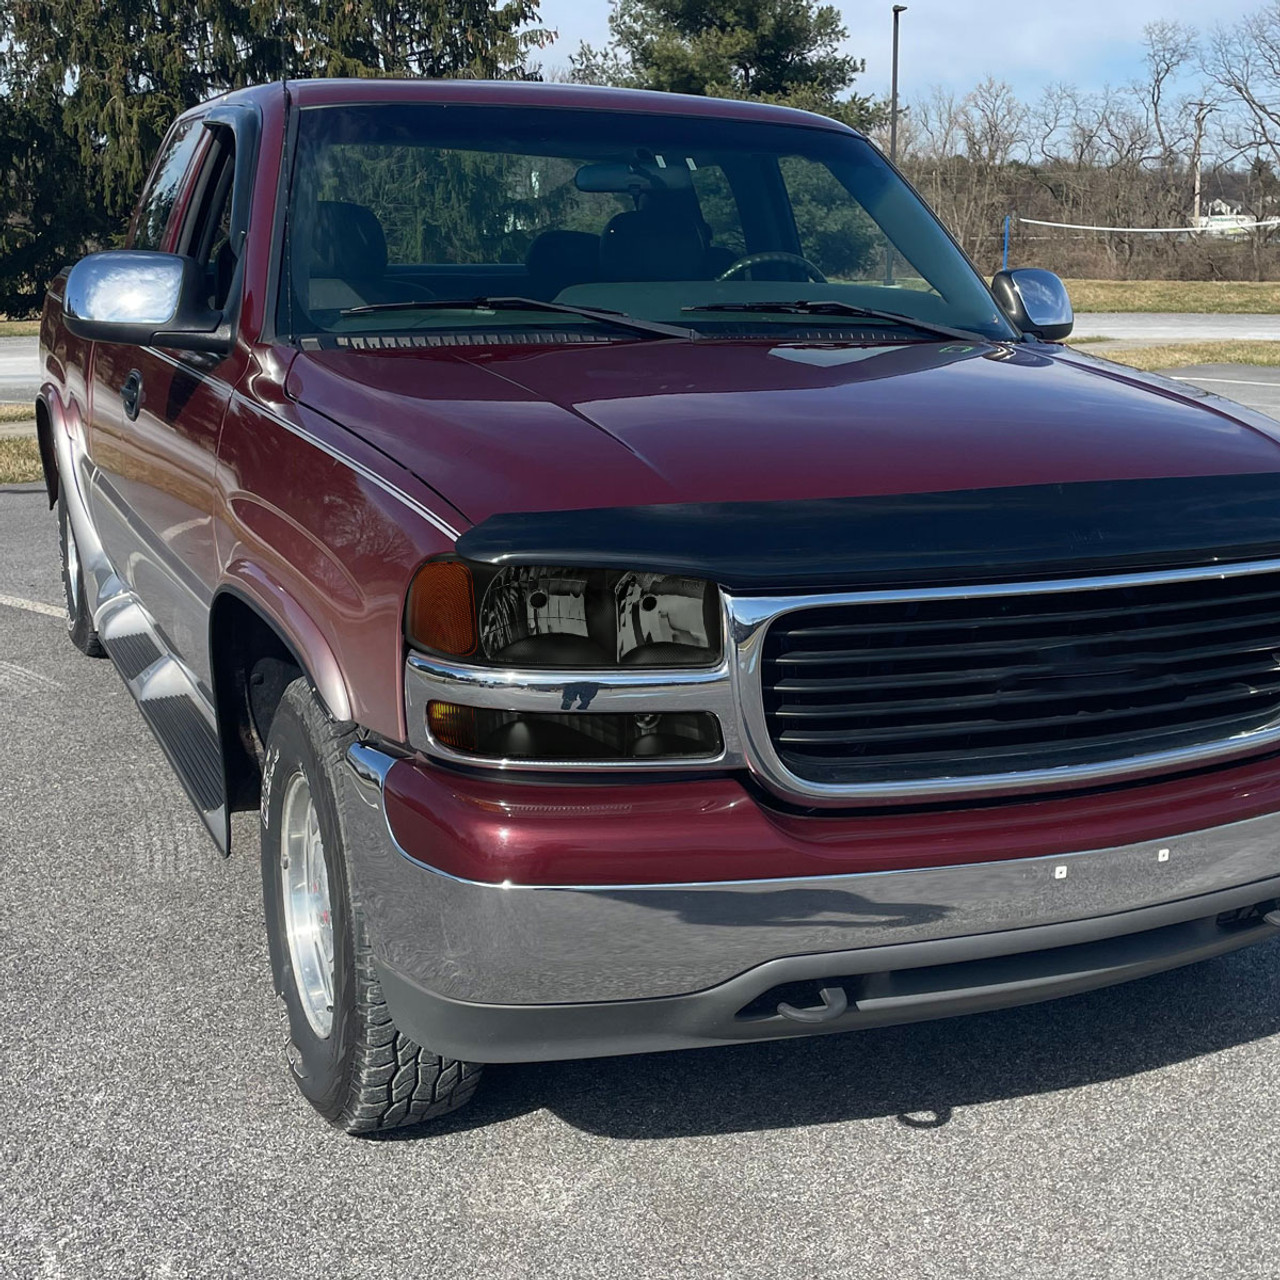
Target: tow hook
(834,1003)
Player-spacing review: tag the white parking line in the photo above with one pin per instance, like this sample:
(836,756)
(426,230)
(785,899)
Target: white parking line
(1230,382)
(32,606)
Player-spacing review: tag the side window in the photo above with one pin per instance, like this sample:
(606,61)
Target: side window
(206,235)
(162,191)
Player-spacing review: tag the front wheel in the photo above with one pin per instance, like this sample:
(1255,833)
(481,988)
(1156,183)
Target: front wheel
(347,1056)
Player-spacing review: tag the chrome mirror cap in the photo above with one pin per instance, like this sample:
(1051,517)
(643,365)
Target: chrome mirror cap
(1036,301)
(125,287)
(139,298)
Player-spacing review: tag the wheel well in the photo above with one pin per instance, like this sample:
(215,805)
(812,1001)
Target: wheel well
(252,665)
(48,459)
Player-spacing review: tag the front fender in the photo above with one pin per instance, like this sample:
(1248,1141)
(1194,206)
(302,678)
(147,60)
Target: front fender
(258,588)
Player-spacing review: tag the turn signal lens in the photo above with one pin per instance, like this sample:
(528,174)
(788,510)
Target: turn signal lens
(441,613)
(452,726)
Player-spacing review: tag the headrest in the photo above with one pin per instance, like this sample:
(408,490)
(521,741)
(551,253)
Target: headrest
(643,246)
(558,259)
(349,243)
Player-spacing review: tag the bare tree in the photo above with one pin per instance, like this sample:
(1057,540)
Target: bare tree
(1244,62)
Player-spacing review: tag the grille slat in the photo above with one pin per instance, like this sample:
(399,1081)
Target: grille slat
(1270,629)
(852,683)
(952,687)
(977,701)
(1072,615)
(976,727)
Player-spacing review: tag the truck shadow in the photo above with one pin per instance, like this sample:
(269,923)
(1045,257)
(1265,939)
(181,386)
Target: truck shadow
(919,1073)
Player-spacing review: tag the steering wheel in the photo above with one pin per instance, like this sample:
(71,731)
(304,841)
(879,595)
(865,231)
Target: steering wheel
(773,255)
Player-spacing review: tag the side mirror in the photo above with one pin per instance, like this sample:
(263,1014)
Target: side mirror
(143,299)
(1036,301)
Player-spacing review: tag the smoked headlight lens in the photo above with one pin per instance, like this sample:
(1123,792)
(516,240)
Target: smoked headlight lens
(598,618)
(533,616)
(586,736)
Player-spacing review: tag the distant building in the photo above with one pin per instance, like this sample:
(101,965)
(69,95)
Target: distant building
(1224,218)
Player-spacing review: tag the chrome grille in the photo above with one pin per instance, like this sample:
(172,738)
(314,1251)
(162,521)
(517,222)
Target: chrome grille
(902,688)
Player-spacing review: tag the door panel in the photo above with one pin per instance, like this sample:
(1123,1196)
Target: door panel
(154,423)
(153,491)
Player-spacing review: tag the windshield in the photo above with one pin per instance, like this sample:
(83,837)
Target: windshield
(656,217)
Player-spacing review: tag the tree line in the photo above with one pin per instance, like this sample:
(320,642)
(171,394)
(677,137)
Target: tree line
(87,91)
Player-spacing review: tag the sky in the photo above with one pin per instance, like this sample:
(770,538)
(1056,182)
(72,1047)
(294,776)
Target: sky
(1088,43)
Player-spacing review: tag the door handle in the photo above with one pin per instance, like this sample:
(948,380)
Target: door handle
(131,395)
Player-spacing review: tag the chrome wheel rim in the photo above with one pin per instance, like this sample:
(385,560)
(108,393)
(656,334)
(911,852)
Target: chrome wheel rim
(308,919)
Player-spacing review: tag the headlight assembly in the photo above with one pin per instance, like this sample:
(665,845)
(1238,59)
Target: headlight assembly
(536,617)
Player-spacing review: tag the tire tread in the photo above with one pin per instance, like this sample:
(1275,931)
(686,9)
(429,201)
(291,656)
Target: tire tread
(393,1082)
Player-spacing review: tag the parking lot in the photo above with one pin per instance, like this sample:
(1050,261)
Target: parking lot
(148,1127)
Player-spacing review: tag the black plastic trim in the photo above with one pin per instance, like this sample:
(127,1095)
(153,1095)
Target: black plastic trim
(968,535)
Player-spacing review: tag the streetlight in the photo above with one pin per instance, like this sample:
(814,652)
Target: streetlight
(898,11)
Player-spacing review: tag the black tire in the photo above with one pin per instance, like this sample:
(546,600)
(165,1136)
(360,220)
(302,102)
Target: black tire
(79,620)
(365,1076)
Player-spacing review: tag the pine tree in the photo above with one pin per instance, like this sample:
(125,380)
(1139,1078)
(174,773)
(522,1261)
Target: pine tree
(784,51)
(90,89)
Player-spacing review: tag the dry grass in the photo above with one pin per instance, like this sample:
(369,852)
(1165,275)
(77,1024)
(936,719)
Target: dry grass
(19,328)
(1198,296)
(17,413)
(19,460)
(1180,355)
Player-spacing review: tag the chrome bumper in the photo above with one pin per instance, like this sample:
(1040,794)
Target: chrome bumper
(522,945)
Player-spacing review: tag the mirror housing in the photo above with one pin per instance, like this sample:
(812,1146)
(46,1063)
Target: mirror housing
(1036,301)
(144,299)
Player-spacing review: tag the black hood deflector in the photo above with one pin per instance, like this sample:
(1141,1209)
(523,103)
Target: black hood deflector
(971,535)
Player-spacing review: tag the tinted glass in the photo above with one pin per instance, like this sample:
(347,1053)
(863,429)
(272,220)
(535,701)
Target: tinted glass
(207,235)
(655,216)
(162,191)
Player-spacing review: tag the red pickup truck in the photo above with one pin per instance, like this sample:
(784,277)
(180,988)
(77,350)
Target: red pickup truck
(654,592)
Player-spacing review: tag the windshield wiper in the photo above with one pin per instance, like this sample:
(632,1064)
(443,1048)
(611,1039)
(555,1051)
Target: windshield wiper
(619,319)
(834,307)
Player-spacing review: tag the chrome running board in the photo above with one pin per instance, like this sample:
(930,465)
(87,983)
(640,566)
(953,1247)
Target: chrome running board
(178,711)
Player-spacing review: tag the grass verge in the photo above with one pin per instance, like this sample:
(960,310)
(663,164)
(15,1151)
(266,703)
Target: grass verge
(19,460)
(17,412)
(19,328)
(1180,355)
(1206,297)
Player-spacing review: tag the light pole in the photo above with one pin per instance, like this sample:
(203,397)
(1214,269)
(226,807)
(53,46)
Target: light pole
(898,11)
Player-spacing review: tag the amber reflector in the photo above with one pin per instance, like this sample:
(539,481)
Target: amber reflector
(452,726)
(442,608)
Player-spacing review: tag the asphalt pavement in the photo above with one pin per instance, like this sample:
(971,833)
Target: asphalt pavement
(1158,327)
(19,369)
(148,1127)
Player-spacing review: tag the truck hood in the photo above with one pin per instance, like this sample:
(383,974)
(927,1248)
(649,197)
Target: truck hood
(624,424)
